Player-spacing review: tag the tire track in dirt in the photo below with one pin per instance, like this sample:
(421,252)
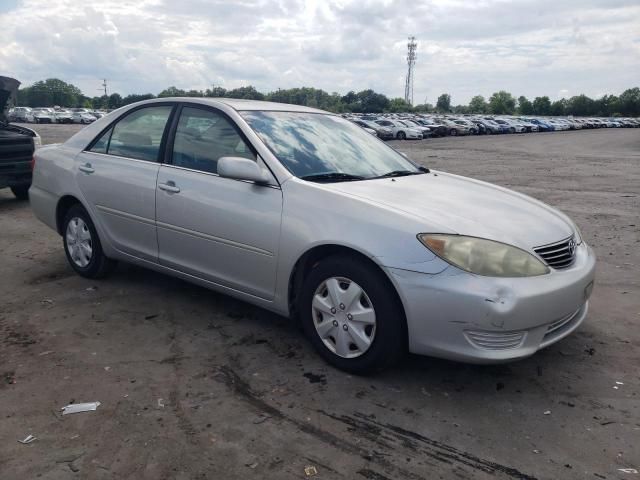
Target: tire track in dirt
(386,436)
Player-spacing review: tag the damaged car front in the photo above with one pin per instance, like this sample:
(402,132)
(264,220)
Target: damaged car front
(17,145)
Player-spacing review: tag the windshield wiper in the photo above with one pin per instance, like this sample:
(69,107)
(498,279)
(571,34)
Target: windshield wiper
(332,177)
(399,173)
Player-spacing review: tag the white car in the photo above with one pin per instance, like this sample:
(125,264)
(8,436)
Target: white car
(63,116)
(301,212)
(20,114)
(517,125)
(82,117)
(558,125)
(400,130)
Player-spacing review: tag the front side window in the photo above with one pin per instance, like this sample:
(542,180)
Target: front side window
(139,134)
(103,142)
(203,137)
(313,144)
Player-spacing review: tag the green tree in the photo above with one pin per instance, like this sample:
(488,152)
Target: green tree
(134,97)
(443,105)
(248,93)
(371,102)
(172,92)
(215,92)
(501,103)
(580,105)
(424,108)
(607,105)
(398,105)
(559,107)
(525,107)
(478,105)
(115,100)
(629,102)
(49,93)
(542,106)
(461,109)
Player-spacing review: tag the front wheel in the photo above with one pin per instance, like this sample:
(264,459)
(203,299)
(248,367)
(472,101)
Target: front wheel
(402,136)
(21,192)
(82,245)
(350,314)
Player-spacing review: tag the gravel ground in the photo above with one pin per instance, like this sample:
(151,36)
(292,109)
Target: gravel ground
(196,385)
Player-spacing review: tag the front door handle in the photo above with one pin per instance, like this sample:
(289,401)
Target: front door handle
(86,168)
(169,187)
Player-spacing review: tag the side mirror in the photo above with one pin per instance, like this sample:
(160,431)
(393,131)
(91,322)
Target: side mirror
(241,168)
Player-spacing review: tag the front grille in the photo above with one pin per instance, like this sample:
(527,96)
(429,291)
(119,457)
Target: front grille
(495,340)
(558,255)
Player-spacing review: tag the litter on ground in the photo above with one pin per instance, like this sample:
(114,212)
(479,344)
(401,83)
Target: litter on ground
(80,407)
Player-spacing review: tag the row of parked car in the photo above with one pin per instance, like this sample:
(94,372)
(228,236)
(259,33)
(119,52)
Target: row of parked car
(54,115)
(415,126)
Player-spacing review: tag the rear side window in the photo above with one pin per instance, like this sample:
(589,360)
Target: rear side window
(138,135)
(203,137)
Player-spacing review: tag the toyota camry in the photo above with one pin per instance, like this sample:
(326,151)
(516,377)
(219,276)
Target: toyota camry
(303,213)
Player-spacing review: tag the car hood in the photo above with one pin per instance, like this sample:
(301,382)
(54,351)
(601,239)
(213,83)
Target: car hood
(8,89)
(452,204)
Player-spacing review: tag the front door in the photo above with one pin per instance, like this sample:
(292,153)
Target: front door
(223,230)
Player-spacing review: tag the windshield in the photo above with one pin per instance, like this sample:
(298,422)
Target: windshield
(318,144)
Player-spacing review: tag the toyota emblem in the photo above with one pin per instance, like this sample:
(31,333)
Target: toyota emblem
(572,247)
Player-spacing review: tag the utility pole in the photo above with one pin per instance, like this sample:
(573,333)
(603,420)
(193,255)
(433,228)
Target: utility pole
(104,85)
(412,47)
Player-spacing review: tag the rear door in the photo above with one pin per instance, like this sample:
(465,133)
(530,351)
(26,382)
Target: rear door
(224,230)
(117,175)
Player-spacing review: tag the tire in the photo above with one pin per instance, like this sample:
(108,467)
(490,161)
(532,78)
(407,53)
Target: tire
(453,132)
(402,136)
(93,265)
(381,343)
(21,192)
(512,130)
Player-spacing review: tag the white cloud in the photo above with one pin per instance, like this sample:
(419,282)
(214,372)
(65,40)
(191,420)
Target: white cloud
(531,48)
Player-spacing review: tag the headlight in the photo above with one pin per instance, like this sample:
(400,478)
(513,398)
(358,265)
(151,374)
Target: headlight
(483,257)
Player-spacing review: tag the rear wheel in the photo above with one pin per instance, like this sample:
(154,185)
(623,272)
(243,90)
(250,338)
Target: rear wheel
(453,132)
(350,314)
(21,192)
(82,245)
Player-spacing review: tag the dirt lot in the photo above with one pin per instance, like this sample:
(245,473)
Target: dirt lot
(195,385)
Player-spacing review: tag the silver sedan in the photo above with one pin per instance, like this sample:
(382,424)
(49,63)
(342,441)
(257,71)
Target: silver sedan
(305,214)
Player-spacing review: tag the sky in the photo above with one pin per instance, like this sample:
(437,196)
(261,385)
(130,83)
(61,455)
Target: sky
(465,47)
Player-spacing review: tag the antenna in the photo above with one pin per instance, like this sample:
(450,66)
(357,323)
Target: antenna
(412,46)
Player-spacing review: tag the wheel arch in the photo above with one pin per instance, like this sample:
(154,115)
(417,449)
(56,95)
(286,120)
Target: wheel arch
(309,259)
(64,204)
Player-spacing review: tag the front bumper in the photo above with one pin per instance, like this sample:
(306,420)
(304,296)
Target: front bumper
(466,317)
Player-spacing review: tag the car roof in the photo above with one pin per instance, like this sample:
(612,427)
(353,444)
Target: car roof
(241,104)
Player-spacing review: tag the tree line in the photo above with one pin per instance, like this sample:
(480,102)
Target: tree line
(53,91)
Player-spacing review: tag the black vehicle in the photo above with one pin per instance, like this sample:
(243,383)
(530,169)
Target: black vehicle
(17,145)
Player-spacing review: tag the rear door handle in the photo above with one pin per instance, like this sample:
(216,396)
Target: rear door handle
(169,187)
(86,168)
